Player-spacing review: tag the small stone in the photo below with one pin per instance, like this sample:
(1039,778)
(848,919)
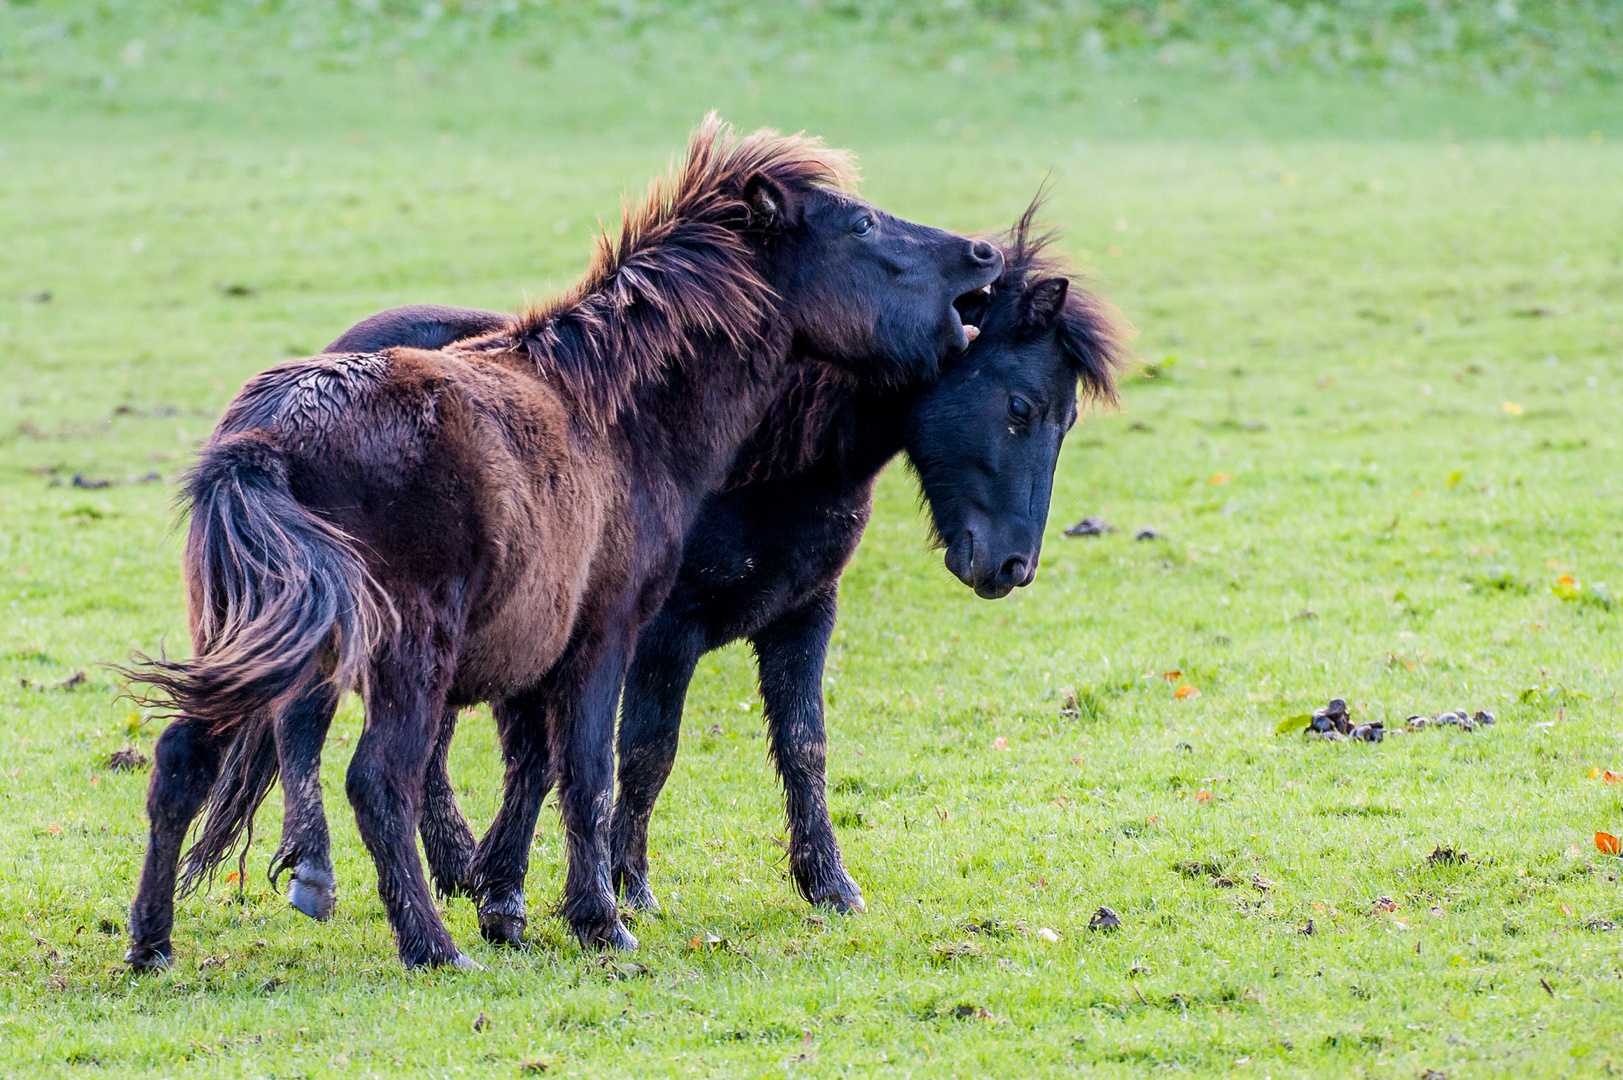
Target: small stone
(1090,526)
(1447,719)
(1368,733)
(1104,919)
(1147,533)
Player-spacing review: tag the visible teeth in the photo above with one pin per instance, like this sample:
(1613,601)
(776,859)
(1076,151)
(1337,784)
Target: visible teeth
(971,332)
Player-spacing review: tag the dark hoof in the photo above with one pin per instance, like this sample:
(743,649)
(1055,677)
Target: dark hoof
(149,957)
(500,929)
(456,959)
(613,936)
(502,921)
(312,898)
(835,891)
(636,895)
(848,902)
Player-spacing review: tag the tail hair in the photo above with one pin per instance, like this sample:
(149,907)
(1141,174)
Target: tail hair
(279,601)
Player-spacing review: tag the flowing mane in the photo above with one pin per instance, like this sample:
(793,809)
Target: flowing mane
(678,276)
(1093,333)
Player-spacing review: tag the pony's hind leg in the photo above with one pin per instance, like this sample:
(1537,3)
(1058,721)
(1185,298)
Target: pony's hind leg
(502,859)
(306,850)
(790,653)
(583,748)
(185,764)
(650,727)
(405,699)
(447,841)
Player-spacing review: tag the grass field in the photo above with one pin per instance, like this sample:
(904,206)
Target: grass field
(1384,338)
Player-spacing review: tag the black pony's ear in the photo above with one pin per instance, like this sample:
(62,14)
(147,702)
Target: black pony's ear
(771,205)
(1043,302)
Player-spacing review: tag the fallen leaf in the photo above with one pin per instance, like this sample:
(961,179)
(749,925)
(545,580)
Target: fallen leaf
(233,877)
(1293,723)
(1565,910)
(1566,580)
(1204,796)
(1047,935)
(1000,743)
(1512,408)
(1605,841)
(1077,761)
(1172,676)
(1594,774)
(1186,692)
(55,830)
(1611,777)
(1218,478)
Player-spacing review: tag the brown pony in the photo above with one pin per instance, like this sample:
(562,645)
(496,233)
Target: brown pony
(496,521)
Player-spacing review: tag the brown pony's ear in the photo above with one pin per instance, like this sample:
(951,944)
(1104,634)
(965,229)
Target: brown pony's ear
(1043,302)
(771,205)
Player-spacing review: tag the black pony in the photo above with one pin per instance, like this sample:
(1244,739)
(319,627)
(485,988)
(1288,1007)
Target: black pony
(497,521)
(764,558)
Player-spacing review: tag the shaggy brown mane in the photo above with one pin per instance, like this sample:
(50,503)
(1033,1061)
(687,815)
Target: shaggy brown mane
(679,274)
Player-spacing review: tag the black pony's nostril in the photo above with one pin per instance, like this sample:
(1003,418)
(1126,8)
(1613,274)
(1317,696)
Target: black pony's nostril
(982,252)
(1014,572)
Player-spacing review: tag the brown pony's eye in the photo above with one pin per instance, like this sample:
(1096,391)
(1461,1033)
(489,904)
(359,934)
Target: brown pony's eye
(1019,407)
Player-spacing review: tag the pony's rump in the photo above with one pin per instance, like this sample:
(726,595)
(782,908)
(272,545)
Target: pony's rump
(279,598)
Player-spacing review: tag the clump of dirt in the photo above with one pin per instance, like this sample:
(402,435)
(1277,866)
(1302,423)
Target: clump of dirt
(1334,723)
(128,759)
(1105,919)
(1090,526)
(1464,719)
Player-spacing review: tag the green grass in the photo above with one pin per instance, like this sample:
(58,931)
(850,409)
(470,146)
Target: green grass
(1339,298)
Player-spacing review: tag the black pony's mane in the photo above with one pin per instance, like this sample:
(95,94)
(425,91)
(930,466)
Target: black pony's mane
(678,276)
(810,418)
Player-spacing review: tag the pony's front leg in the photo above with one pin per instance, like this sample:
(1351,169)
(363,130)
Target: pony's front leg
(790,653)
(583,748)
(668,649)
(405,699)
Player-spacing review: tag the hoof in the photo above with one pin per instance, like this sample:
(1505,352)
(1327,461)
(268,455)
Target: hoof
(614,936)
(502,922)
(637,896)
(456,959)
(143,958)
(500,929)
(836,892)
(312,898)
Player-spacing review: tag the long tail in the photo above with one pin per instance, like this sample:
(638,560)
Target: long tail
(279,600)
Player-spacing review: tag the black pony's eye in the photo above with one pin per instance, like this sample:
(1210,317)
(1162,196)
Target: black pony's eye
(1019,407)
(864,225)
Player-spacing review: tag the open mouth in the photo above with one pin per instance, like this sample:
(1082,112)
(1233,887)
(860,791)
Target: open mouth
(969,309)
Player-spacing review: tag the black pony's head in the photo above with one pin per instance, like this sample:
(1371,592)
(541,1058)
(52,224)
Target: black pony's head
(986,438)
(865,290)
